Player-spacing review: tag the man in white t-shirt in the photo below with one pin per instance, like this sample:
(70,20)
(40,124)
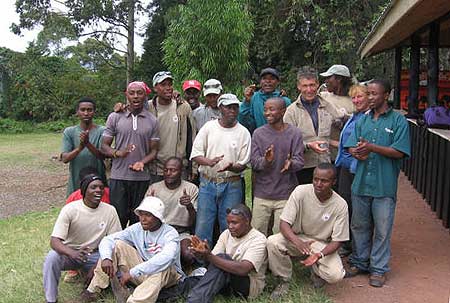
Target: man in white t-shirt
(313,225)
(77,233)
(180,201)
(222,150)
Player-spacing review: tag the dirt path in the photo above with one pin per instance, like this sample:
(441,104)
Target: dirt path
(420,264)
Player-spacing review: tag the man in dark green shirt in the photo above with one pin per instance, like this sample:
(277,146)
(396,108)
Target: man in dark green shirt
(379,142)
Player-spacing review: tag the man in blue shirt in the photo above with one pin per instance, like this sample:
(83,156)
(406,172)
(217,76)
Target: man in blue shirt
(251,111)
(379,142)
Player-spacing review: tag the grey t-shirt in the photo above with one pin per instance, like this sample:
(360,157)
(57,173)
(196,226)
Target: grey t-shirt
(125,131)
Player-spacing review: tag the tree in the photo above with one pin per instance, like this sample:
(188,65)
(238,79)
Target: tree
(107,21)
(209,39)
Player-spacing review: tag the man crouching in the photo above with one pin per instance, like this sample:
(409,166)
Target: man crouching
(146,255)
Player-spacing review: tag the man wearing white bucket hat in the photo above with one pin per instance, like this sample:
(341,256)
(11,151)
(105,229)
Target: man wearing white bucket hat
(146,255)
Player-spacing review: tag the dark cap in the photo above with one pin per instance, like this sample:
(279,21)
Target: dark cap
(270,71)
(86,181)
(240,210)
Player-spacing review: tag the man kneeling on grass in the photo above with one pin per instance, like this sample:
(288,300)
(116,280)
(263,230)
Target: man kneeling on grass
(77,233)
(145,254)
(237,264)
(313,225)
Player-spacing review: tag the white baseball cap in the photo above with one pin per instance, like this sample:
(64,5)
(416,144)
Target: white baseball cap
(227,99)
(212,86)
(337,69)
(161,76)
(152,205)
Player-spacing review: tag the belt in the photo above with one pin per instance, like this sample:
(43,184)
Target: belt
(221,179)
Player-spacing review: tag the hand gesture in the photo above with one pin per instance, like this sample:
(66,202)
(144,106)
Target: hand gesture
(319,147)
(124,153)
(176,96)
(124,278)
(269,155)
(362,149)
(84,138)
(107,267)
(227,166)
(185,199)
(215,160)
(137,166)
(287,164)
(82,254)
(151,192)
(283,92)
(249,91)
(303,247)
(120,107)
(311,260)
(199,248)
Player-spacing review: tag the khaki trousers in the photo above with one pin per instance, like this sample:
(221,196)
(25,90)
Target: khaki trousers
(262,210)
(280,251)
(126,257)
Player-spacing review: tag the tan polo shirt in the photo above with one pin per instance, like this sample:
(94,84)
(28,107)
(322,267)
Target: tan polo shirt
(297,115)
(252,248)
(324,221)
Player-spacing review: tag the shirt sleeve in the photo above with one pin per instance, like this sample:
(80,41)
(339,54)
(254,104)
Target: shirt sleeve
(193,192)
(199,146)
(352,140)
(221,244)
(67,142)
(257,158)
(244,154)
(61,228)
(401,137)
(341,229)
(297,160)
(289,116)
(110,130)
(256,253)
(154,134)
(292,210)
(106,246)
(162,260)
(245,116)
(115,222)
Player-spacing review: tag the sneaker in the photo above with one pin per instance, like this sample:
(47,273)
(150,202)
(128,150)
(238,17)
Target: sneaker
(120,293)
(317,281)
(353,271)
(280,291)
(71,276)
(377,280)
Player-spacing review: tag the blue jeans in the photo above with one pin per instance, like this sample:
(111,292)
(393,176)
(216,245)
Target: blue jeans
(371,227)
(213,201)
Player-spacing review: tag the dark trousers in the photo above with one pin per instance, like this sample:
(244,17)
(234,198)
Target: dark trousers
(125,196)
(204,289)
(305,175)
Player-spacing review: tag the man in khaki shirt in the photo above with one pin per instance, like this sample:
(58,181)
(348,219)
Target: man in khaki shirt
(176,125)
(315,117)
(313,225)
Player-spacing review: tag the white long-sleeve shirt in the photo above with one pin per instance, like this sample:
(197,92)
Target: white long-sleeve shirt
(159,249)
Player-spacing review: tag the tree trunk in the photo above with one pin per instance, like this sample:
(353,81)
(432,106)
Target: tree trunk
(130,43)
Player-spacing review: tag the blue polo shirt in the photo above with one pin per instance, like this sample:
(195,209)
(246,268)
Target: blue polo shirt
(377,176)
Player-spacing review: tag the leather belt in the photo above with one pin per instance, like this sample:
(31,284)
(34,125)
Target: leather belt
(221,179)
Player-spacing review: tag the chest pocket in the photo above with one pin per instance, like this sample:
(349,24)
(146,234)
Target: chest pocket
(325,121)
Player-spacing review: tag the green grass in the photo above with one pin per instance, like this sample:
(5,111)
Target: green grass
(29,150)
(24,240)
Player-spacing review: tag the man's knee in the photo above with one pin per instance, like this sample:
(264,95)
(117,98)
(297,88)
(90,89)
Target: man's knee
(333,275)
(52,259)
(275,244)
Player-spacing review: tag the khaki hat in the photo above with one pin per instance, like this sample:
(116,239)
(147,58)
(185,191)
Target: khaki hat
(227,99)
(337,69)
(152,205)
(212,86)
(161,76)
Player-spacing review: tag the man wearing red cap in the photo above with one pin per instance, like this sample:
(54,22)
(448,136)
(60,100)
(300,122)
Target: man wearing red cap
(192,90)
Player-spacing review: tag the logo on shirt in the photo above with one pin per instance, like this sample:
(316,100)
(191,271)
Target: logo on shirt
(175,118)
(233,144)
(153,248)
(102,225)
(326,217)
(388,130)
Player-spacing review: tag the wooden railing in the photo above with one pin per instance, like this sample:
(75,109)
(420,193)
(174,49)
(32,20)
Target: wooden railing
(428,168)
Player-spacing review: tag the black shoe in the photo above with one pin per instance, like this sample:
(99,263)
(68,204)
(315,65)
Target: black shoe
(353,271)
(377,280)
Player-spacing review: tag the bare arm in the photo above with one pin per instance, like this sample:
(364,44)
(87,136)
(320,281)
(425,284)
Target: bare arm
(80,255)
(288,233)
(206,161)
(67,157)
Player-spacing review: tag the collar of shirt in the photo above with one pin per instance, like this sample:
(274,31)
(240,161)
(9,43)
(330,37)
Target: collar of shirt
(388,111)
(142,113)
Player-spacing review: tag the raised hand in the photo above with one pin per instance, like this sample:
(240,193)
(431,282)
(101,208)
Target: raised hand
(215,160)
(137,166)
(269,155)
(287,164)
(185,199)
(249,91)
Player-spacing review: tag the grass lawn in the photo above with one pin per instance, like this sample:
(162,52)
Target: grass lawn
(24,239)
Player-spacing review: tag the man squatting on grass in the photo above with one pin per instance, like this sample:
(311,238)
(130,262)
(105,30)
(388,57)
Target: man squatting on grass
(80,227)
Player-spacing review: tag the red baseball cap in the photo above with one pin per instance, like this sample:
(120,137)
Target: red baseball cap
(192,84)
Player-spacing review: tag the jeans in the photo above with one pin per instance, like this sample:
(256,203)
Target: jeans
(371,226)
(213,201)
(55,263)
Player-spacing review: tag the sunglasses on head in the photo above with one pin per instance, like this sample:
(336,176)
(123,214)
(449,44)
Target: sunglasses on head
(217,85)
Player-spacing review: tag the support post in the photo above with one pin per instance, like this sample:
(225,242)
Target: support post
(397,79)
(414,70)
(433,64)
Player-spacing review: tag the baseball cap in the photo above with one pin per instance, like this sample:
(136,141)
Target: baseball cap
(161,76)
(212,86)
(152,205)
(227,99)
(270,71)
(337,69)
(192,84)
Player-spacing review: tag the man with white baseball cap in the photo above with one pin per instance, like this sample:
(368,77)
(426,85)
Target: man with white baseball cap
(222,150)
(146,255)
(208,111)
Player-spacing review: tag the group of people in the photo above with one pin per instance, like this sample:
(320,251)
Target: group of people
(177,182)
